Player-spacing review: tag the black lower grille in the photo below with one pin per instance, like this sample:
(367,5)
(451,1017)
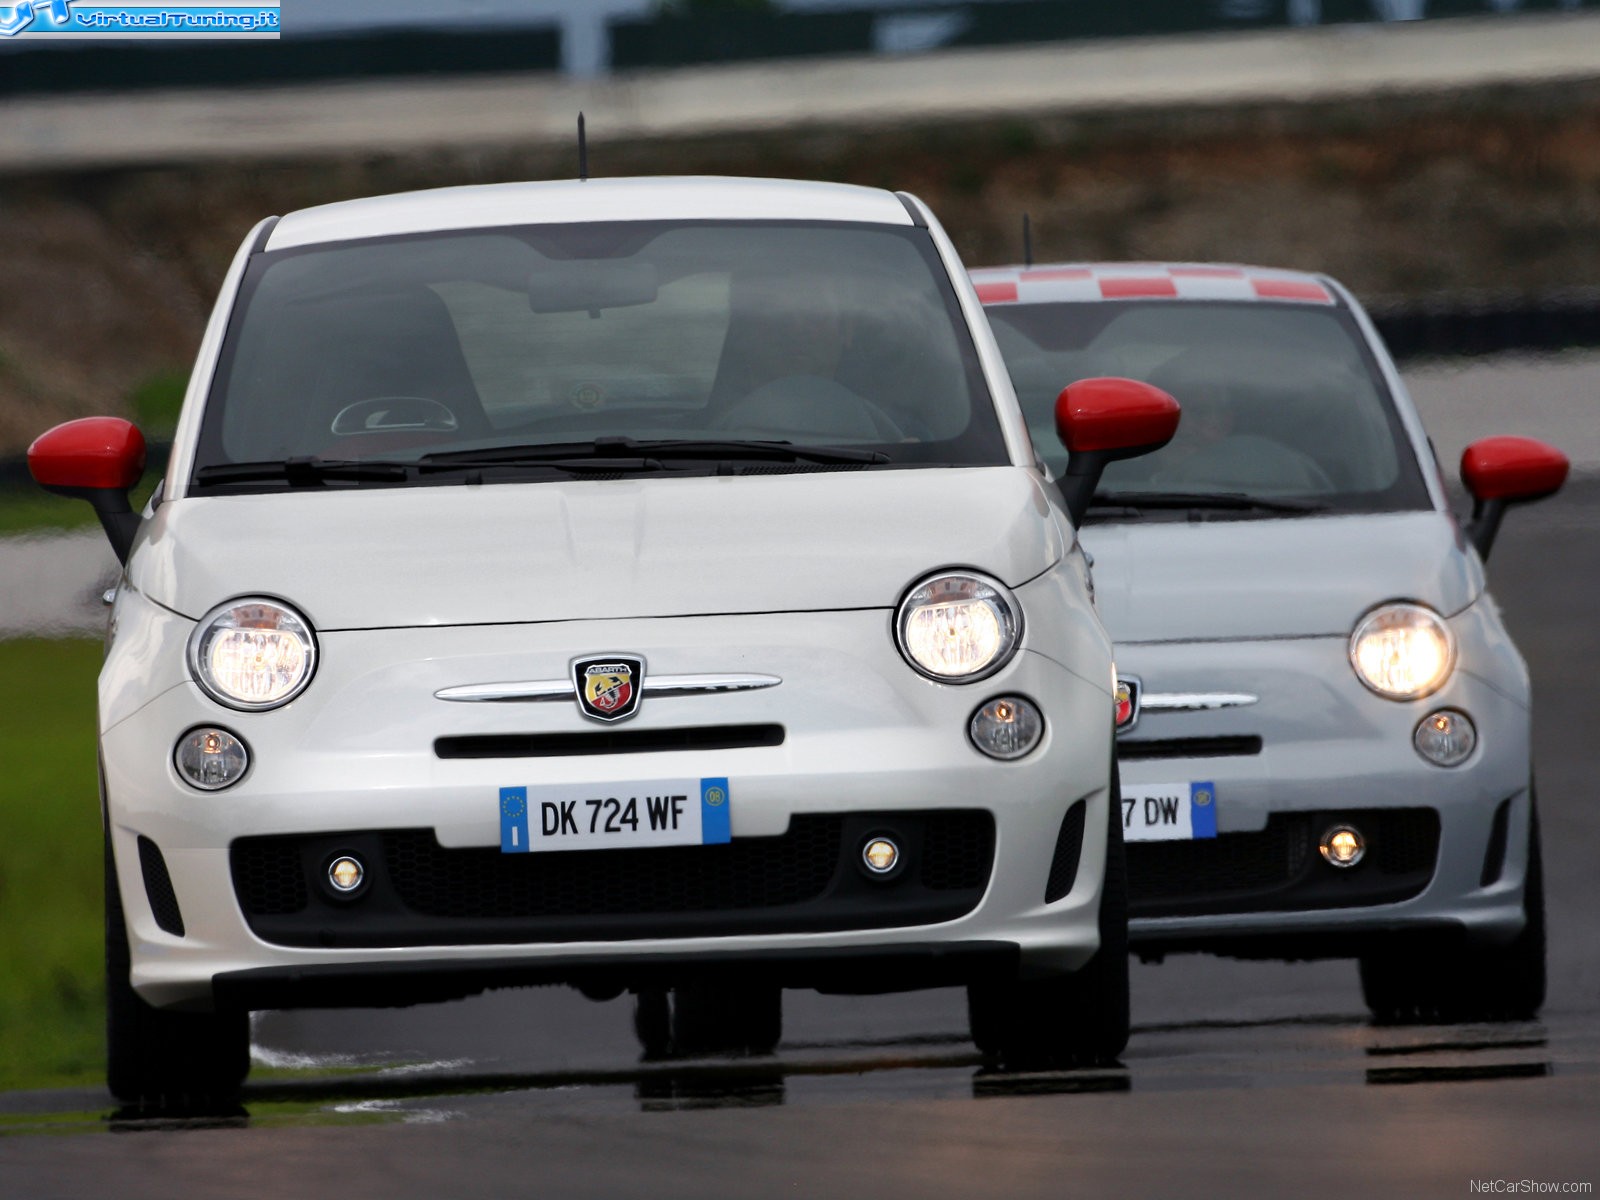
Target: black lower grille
(1069,848)
(421,893)
(158,888)
(745,874)
(1278,868)
(957,851)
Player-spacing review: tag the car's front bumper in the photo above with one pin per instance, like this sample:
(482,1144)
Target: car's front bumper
(355,754)
(1330,752)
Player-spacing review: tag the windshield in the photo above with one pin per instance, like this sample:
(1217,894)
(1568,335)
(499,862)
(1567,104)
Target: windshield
(638,336)
(1281,404)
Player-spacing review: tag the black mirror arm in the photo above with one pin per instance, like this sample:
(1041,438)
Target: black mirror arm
(116,514)
(1485,524)
(1081,478)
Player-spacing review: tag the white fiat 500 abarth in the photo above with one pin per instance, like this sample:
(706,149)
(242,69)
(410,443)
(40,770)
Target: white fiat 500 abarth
(1324,726)
(645,585)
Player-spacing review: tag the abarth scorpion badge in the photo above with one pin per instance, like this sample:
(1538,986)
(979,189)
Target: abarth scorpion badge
(608,688)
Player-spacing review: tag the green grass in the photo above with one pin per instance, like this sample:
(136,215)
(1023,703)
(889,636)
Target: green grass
(52,997)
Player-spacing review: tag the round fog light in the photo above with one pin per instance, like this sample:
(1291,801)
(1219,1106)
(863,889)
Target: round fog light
(1007,727)
(880,855)
(1343,846)
(210,759)
(1446,737)
(345,873)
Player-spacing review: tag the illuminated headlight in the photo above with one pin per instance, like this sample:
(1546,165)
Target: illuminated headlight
(211,759)
(1445,737)
(253,654)
(958,626)
(1402,651)
(1007,727)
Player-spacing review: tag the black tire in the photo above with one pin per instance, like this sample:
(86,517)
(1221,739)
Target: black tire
(161,1060)
(709,1018)
(1080,1019)
(1439,981)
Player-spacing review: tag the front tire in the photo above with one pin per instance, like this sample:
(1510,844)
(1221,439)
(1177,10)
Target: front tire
(156,1059)
(1436,981)
(1079,1019)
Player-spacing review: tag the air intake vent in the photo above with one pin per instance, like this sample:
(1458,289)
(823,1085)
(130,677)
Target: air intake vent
(158,888)
(608,741)
(1069,848)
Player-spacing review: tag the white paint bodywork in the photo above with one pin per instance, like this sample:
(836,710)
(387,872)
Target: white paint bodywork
(416,591)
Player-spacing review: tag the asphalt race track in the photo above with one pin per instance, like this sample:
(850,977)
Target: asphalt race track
(1241,1079)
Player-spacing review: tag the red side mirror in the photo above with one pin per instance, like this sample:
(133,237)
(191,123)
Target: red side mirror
(88,454)
(1507,470)
(95,459)
(1513,469)
(1103,420)
(1120,416)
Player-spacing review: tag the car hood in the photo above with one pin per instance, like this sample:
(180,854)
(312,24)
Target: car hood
(504,553)
(1302,577)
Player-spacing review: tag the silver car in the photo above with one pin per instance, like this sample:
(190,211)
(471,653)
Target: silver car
(1324,727)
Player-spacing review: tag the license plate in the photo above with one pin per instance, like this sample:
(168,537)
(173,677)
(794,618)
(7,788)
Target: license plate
(1168,812)
(658,812)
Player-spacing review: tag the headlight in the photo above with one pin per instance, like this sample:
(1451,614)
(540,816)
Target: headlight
(253,653)
(958,626)
(1402,651)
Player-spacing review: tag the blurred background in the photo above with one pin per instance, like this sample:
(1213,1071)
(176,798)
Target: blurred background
(1440,157)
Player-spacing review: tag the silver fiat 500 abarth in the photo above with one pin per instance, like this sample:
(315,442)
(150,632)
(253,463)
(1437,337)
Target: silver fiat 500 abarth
(1324,727)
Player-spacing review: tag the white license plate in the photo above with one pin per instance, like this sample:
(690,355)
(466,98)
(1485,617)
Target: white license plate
(1168,812)
(656,812)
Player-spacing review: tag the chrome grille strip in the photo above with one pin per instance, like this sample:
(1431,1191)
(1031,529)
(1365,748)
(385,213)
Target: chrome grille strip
(1194,701)
(539,691)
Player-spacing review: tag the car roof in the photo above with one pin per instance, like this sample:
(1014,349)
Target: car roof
(1056,283)
(570,200)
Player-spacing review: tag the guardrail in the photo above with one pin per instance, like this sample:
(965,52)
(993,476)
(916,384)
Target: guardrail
(1454,327)
(667,39)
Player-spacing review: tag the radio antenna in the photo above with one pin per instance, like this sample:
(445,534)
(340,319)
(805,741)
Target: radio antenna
(1027,241)
(583,151)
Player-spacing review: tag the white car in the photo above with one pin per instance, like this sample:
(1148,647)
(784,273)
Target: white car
(1325,728)
(644,585)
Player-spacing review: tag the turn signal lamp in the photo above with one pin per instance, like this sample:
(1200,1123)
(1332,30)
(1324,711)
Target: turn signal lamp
(211,759)
(1006,728)
(1445,737)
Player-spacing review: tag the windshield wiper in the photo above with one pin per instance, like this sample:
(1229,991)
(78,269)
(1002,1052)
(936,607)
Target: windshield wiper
(621,453)
(610,454)
(305,472)
(1217,501)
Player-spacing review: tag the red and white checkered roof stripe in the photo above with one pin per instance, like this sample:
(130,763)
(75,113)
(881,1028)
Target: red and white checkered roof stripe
(1059,283)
